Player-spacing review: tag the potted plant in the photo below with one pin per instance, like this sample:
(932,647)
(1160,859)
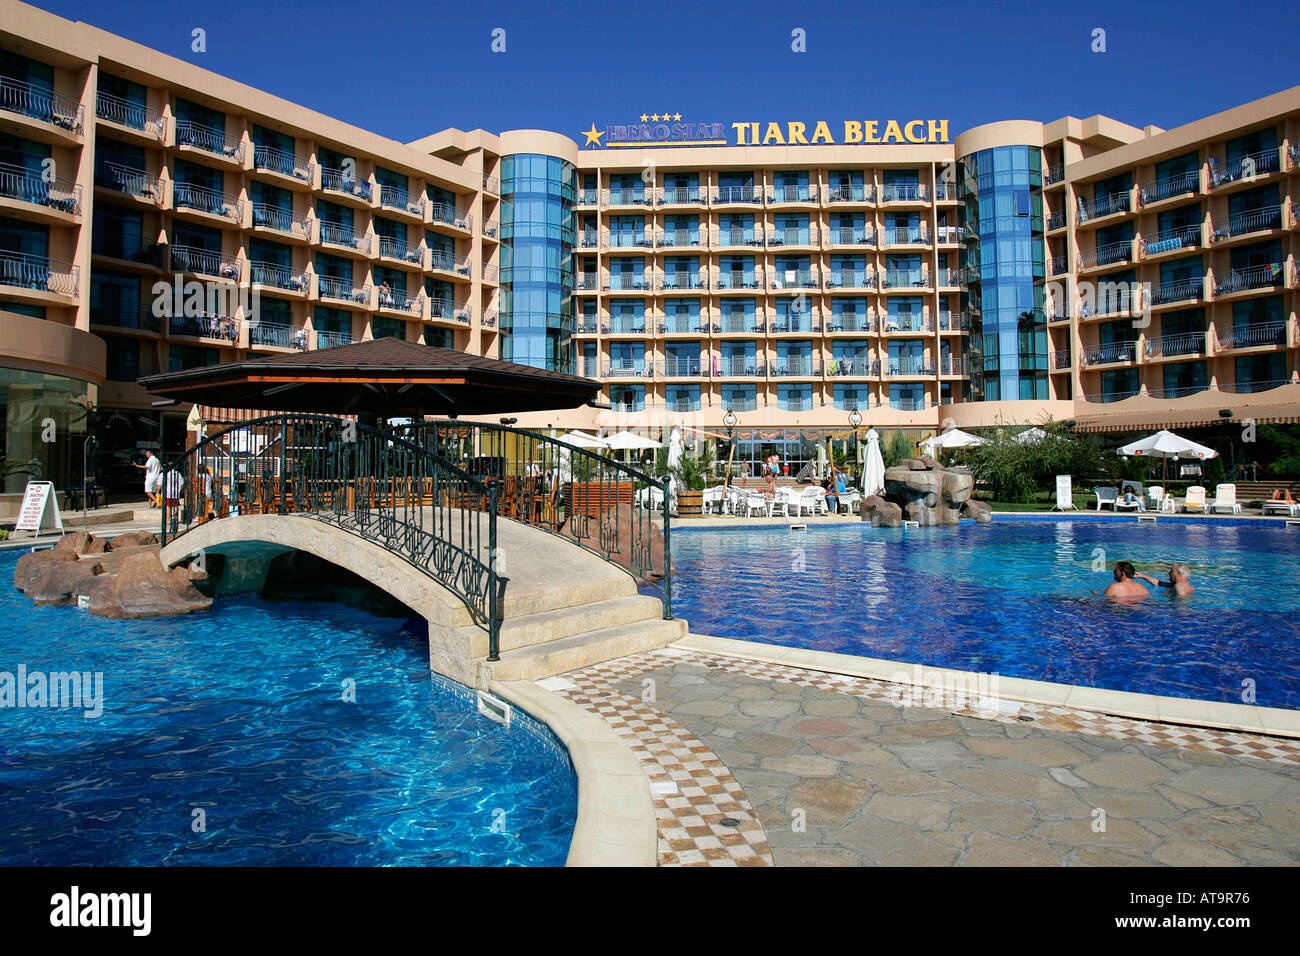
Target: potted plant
(692,477)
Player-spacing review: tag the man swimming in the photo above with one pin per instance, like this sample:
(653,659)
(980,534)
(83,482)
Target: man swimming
(1180,579)
(1124,587)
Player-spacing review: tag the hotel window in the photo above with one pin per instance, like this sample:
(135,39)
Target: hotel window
(849,397)
(791,185)
(682,230)
(850,357)
(791,272)
(849,315)
(336,268)
(907,397)
(118,233)
(792,315)
(1118,384)
(682,358)
(1256,266)
(386,328)
(122,359)
(1254,210)
(1183,331)
(626,357)
(442,295)
(1260,146)
(1182,174)
(737,315)
(180,357)
(739,358)
(848,227)
(793,358)
(120,166)
(628,398)
(736,229)
(443,251)
(1177,228)
(907,357)
(626,188)
(271,253)
(332,320)
(1184,378)
(396,187)
(736,272)
(682,398)
(276,313)
(739,398)
(115,299)
(395,295)
(200,238)
(626,231)
(625,274)
(1258,322)
(903,227)
(1255,372)
(901,185)
(627,316)
(681,187)
(847,185)
(735,187)
(131,101)
(794,398)
(682,315)
(336,222)
(439,337)
(904,271)
(682,272)
(272,206)
(193,175)
(848,271)
(200,126)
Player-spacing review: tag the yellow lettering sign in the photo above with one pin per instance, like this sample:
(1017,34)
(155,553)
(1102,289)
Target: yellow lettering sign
(870,136)
(822,134)
(773,134)
(891,129)
(916,137)
(795,134)
(852,131)
(938,131)
(741,129)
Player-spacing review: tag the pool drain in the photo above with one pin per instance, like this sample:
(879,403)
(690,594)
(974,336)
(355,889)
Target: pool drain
(1024,718)
(729,822)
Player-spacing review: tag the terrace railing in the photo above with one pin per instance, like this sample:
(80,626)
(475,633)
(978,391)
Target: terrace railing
(133,115)
(41,104)
(345,181)
(38,273)
(209,140)
(25,185)
(286,164)
(211,201)
(129,180)
(280,219)
(387,489)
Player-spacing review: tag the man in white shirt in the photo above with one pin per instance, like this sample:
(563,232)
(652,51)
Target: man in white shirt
(152,478)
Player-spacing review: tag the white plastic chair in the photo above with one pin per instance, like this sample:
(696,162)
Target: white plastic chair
(849,500)
(1159,500)
(714,497)
(1225,499)
(1106,496)
(1195,499)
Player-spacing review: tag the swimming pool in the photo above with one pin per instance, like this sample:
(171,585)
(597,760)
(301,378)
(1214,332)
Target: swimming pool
(225,739)
(1014,597)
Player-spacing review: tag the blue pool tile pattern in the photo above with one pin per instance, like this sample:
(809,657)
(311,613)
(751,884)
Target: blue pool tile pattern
(1015,597)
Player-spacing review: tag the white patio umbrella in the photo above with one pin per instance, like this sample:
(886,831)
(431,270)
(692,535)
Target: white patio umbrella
(1029,435)
(873,470)
(1165,444)
(675,448)
(583,440)
(952,438)
(628,441)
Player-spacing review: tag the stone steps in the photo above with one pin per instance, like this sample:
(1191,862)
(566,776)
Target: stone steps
(543,627)
(580,650)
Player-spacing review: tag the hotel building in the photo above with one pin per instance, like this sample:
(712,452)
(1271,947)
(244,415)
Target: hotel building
(752,277)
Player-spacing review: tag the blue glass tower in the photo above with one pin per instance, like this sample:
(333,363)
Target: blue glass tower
(537,194)
(1002,189)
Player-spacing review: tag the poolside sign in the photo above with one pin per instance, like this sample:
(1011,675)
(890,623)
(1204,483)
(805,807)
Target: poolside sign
(1064,493)
(40,508)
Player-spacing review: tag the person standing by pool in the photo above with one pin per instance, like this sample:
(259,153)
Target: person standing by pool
(152,477)
(1124,587)
(1180,579)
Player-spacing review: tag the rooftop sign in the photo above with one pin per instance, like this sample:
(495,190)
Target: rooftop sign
(667,129)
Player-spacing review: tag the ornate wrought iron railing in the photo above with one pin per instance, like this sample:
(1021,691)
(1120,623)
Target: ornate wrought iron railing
(407,498)
(609,508)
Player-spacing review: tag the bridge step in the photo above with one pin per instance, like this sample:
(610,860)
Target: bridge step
(581,650)
(531,629)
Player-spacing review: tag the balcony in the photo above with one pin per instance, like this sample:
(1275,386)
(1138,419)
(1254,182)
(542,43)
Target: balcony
(681,195)
(678,237)
(783,323)
(198,261)
(739,280)
(681,281)
(451,216)
(680,324)
(588,197)
(450,262)
(628,197)
(849,192)
(626,325)
(903,192)
(1185,343)
(1258,385)
(211,202)
(905,237)
(326,339)
(128,181)
(850,236)
(275,335)
(134,116)
(398,249)
(1181,391)
(1253,277)
(439,308)
(1168,292)
(804,404)
(398,300)
(209,140)
(736,194)
(793,193)
(281,220)
(335,234)
(954,322)
(334,287)
(1110,254)
(489,320)
(908,323)
(1172,240)
(951,235)
(795,279)
(1169,187)
(116,244)
(1253,336)
(628,240)
(1114,395)
(638,282)
(267,159)
(626,368)
(1245,223)
(737,237)
(1057,265)
(909,404)
(135,319)
(41,104)
(345,181)
(1104,206)
(1056,220)
(741,322)
(794,236)
(906,279)
(1246,169)
(1061,359)
(276,276)
(952,278)
(1111,354)
(492,185)
(793,365)
(390,197)
(681,368)
(946,192)
(1054,174)
(952,365)
(205,326)
(850,279)
(23,185)
(588,240)
(1115,300)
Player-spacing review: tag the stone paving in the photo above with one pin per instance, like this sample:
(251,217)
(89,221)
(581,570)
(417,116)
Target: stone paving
(838,775)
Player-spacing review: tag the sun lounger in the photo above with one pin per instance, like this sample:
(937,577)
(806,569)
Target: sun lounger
(1106,496)
(1289,508)
(1225,499)
(1195,500)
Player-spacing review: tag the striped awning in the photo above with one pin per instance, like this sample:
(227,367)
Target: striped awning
(1189,418)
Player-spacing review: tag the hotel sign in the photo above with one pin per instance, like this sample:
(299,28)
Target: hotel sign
(667,129)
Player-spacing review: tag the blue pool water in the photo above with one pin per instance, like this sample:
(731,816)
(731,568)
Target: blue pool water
(1014,597)
(239,713)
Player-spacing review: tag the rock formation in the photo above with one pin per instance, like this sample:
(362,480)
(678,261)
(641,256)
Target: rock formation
(920,490)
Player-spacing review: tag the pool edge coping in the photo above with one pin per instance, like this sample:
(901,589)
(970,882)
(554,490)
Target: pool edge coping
(617,824)
(1246,718)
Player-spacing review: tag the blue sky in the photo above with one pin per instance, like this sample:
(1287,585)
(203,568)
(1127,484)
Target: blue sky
(429,65)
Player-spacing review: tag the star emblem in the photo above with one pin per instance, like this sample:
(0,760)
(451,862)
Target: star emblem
(666,116)
(593,136)
(654,117)
(677,117)
(644,117)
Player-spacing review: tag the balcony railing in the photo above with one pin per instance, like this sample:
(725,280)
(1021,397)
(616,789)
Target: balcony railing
(1177,291)
(209,140)
(339,235)
(850,236)
(205,326)
(1107,255)
(132,115)
(439,308)
(946,192)
(1110,354)
(492,185)
(954,322)
(327,340)
(792,236)
(906,279)
(1114,395)
(619,368)
(908,322)
(1054,174)
(277,276)
(904,237)
(909,404)
(681,368)
(333,287)
(951,235)
(17,182)
(793,365)
(678,237)
(1056,220)
(852,365)
(791,322)
(1110,301)
(737,237)
(850,279)
(724,194)
(1058,265)
(795,279)
(794,193)
(1171,240)
(739,280)
(450,262)
(460,218)
(681,195)
(400,301)
(638,282)
(1061,358)
(210,201)
(1167,188)
(628,240)
(1259,385)
(1104,206)
(280,219)
(740,322)
(626,325)
(139,318)
(1185,343)
(41,104)
(275,335)
(952,365)
(203,262)
(802,404)
(1244,223)
(628,197)
(1245,169)
(850,192)
(677,324)
(903,192)
(390,197)
(588,197)
(1254,335)
(1252,277)
(125,179)
(952,278)
(344,181)
(676,281)
(398,249)
(270,159)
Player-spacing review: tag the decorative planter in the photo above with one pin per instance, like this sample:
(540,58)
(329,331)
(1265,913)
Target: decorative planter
(690,504)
